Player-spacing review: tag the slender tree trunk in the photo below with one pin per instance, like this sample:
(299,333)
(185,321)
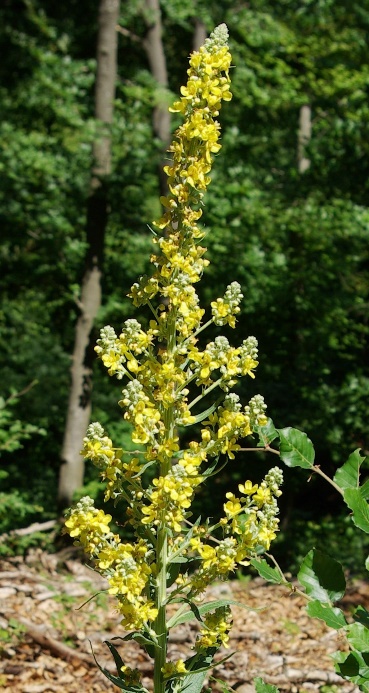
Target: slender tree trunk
(304,136)
(154,47)
(199,35)
(79,406)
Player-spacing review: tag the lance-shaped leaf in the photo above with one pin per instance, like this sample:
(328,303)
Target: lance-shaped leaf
(118,680)
(296,449)
(189,615)
(204,414)
(267,572)
(331,615)
(147,643)
(359,507)
(322,577)
(347,476)
(197,667)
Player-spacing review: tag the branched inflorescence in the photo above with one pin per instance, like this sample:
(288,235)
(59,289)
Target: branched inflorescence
(167,376)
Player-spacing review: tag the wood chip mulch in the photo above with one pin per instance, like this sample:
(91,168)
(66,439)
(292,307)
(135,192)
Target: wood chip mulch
(45,639)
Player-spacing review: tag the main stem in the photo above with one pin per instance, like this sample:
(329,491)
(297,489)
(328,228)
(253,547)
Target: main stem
(160,625)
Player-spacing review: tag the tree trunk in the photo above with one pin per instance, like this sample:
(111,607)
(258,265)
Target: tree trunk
(199,35)
(154,47)
(304,136)
(79,406)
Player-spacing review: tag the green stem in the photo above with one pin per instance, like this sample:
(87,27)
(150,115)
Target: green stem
(160,624)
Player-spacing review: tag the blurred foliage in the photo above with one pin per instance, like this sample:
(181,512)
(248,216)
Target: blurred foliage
(297,243)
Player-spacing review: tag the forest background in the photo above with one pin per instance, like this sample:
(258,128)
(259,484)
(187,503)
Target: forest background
(287,213)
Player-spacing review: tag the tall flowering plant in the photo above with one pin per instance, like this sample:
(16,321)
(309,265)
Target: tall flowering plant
(173,559)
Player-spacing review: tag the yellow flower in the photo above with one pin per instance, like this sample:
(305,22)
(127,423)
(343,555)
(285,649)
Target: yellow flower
(171,668)
(248,488)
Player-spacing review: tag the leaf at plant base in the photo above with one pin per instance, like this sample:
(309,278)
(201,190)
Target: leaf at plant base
(322,577)
(296,449)
(266,571)
(347,476)
(359,507)
(331,615)
(262,687)
(266,434)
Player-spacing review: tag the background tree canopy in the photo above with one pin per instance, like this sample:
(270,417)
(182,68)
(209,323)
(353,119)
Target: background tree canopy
(287,214)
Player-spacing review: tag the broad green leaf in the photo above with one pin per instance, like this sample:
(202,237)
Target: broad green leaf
(347,476)
(262,687)
(359,507)
(358,637)
(322,577)
(331,615)
(266,571)
(364,490)
(266,434)
(296,449)
(183,617)
(346,665)
(361,615)
(354,667)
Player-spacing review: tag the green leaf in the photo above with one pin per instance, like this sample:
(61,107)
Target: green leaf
(117,680)
(364,490)
(179,618)
(266,434)
(266,571)
(117,658)
(174,568)
(262,687)
(296,449)
(331,615)
(354,667)
(358,637)
(322,577)
(361,615)
(347,476)
(199,664)
(346,665)
(359,507)
(147,643)
(204,414)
